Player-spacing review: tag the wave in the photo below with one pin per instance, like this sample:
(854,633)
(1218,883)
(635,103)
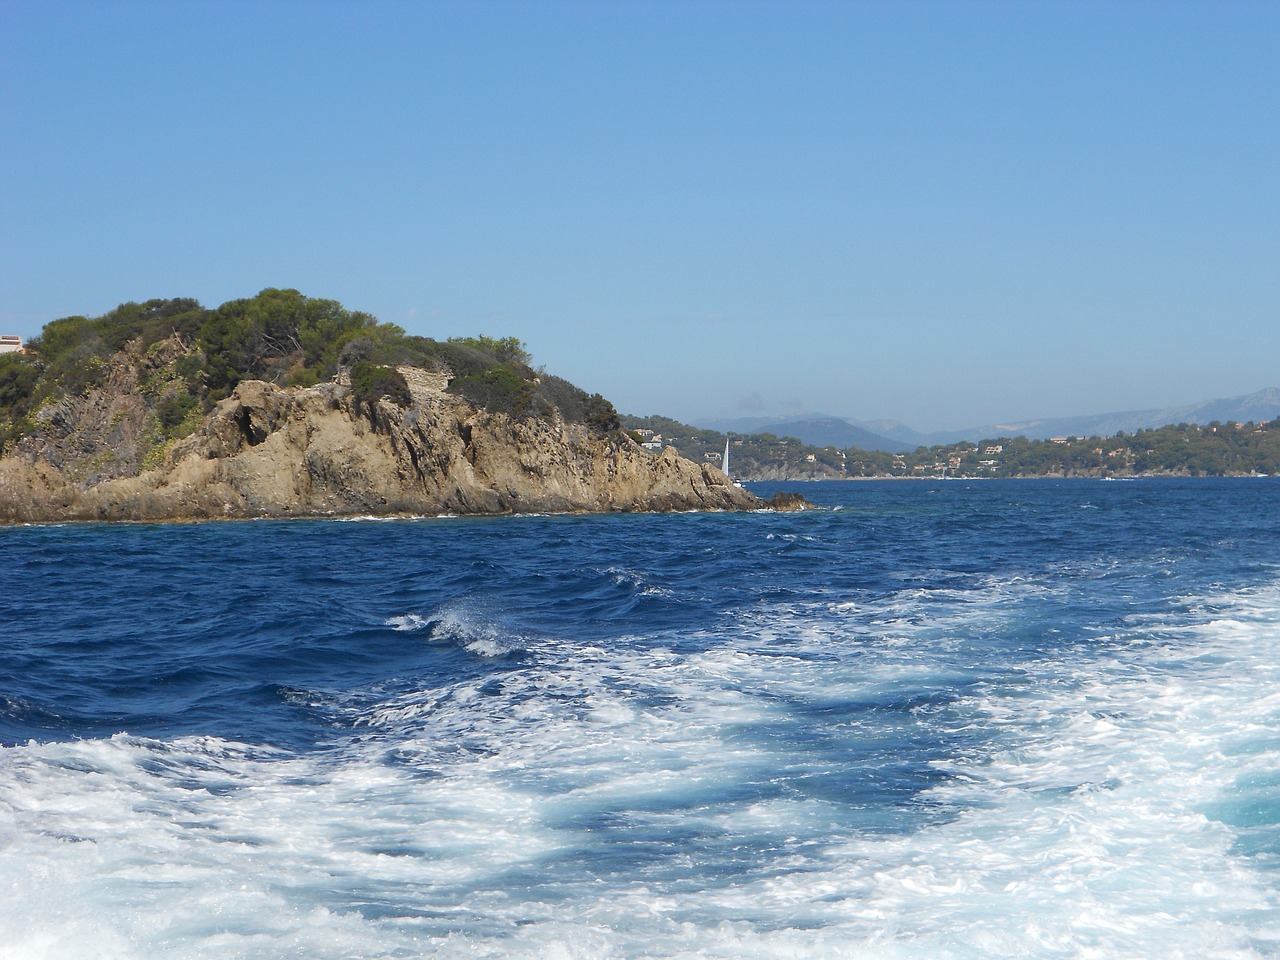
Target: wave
(461,623)
(637,581)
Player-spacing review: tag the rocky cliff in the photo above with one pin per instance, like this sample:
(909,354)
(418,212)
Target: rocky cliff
(267,451)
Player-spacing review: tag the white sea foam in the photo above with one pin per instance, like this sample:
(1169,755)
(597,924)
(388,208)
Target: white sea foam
(408,622)
(396,518)
(636,580)
(460,622)
(1080,813)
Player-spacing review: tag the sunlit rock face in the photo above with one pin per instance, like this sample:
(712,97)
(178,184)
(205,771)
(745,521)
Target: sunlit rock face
(267,451)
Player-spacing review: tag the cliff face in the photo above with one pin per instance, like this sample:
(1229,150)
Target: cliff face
(106,431)
(272,452)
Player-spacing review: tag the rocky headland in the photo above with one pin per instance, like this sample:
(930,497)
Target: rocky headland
(282,405)
(270,451)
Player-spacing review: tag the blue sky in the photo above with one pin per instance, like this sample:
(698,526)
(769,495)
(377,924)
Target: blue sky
(947,213)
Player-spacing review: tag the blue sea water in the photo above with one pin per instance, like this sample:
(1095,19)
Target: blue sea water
(931,719)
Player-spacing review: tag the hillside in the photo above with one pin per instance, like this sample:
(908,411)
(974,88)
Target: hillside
(1215,449)
(754,456)
(1260,406)
(813,429)
(1193,450)
(282,405)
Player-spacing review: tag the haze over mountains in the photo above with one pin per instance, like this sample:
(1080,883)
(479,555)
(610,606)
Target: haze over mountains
(823,430)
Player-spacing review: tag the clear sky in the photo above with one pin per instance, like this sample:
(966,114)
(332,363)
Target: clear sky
(945,212)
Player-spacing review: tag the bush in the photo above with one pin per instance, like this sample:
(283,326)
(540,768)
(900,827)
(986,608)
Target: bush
(504,350)
(371,383)
(174,409)
(18,380)
(497,389)
(304,377)
(600,417)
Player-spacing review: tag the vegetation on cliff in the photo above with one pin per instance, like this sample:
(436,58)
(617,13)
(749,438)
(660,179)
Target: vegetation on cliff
(186,357)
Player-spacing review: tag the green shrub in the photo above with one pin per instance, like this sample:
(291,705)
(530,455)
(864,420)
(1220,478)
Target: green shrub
(304,377)
(504,350)
(18,380)
(371,383)
(600,416)
(497,389)
(155,454)
(174,410)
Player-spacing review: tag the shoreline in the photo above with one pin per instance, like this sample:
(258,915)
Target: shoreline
(764,507)
(1038,476)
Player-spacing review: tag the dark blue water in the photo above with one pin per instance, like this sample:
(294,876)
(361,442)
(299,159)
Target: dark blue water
(1028,718)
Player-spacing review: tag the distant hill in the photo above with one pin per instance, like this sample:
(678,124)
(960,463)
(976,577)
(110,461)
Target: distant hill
(815,430)
(1255,407)
(899,433)
(893,436)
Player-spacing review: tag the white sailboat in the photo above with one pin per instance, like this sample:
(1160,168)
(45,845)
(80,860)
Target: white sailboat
(725,465)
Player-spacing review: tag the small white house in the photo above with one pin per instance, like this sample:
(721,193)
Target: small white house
(10,343)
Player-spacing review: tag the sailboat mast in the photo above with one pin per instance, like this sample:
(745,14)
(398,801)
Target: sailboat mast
(726,458)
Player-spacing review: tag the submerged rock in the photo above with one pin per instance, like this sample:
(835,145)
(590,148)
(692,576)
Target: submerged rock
(788,502)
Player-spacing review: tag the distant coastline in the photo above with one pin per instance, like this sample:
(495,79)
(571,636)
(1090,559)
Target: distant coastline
(281,405)
(1181,450)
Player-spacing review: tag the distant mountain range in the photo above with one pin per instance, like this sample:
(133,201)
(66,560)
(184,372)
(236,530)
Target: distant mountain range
(823,430)
(817,430)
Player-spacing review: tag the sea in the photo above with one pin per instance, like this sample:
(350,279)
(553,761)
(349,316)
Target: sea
(934,719)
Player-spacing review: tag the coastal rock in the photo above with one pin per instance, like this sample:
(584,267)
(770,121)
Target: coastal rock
(267,451)
(788,502)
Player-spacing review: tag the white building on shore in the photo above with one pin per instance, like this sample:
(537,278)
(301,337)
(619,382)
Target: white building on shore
(10,343)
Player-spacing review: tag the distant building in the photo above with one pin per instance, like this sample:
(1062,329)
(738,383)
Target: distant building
(10,343)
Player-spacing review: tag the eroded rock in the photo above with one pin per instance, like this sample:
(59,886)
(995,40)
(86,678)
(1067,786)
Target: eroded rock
(272,451)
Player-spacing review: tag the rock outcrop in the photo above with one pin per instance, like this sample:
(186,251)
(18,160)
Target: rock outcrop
(267,451)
